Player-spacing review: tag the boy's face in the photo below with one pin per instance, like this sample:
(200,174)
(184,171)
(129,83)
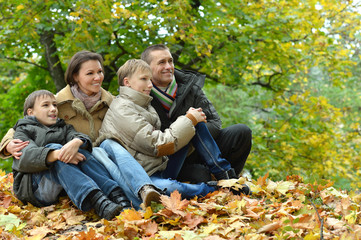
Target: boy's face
(45,110)
(140,81)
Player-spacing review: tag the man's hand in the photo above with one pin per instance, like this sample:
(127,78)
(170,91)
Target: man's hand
(69,152)
(15,146)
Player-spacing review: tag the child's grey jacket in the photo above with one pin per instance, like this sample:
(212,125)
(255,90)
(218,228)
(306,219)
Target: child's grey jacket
(33,158)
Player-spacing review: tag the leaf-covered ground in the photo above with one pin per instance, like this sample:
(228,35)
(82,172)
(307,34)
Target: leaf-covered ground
(288,209)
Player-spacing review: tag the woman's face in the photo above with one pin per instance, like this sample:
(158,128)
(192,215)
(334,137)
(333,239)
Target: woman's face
(90,77)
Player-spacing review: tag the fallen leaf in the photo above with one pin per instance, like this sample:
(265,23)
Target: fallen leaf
(174,203)
(269,227)
(40,231)
(192,221)
(131,215)
(9,221)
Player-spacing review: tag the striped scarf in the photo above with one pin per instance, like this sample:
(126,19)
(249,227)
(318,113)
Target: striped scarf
(166,97)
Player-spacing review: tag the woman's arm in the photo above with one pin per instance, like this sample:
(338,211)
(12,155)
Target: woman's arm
(11,147)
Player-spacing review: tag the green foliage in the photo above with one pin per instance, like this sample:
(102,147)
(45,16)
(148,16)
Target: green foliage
(13,100)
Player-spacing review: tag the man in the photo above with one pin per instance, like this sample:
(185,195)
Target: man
(174,92)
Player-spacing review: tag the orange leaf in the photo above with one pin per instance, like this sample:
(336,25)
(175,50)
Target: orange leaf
(131,215)
(175,203)
(262,180)
(150,228)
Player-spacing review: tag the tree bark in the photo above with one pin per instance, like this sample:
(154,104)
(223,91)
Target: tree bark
(52,59)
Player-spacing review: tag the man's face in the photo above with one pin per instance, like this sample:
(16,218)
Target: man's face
(162,67)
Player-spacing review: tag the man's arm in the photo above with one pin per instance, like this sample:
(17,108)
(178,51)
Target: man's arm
(214,122)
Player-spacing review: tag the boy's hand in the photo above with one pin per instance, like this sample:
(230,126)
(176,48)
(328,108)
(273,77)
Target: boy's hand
(198,114)
(69,152)
(15,146)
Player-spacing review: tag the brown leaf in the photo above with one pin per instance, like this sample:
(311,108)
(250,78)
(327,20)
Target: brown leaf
(192,221)
(72,218)
(150,228)
(37,218)
(269,227)
(334,223)
(214,237)
(7,201)
(251,214)
(90,235)
(40,231)
(175,203)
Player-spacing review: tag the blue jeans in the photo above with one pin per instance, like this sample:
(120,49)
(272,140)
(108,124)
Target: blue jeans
(77,180)
(123,168)
(187,190)
(207,148)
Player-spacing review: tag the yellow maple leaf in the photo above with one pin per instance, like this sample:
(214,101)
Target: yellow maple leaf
(131,215)
(148,213)
(281,187)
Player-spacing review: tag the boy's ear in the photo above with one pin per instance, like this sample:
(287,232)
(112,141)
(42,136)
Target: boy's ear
(29,112)
(126,82)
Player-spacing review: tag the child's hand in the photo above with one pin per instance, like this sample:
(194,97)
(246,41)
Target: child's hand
(69,152)
(15,146)
(54,156)
(198,114)
(78,158)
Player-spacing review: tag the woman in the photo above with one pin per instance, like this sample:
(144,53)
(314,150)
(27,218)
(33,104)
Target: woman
(83,103)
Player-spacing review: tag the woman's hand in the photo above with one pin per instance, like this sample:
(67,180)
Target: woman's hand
(15,146)
(198,114)
(69,152)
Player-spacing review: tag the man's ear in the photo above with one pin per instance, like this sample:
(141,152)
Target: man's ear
(29,111)
(126,82)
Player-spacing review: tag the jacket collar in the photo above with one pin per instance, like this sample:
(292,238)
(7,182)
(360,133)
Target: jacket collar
(138,98)
(189,77)
(65,95)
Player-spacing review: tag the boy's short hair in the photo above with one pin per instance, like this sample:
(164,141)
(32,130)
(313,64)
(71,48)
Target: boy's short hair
(30,100)
(130,67)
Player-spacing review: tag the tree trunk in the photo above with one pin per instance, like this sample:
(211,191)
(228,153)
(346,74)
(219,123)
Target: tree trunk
(108,77)
(52,59)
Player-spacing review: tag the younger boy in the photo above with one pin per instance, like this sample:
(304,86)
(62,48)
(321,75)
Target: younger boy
(132,119)
(44,169)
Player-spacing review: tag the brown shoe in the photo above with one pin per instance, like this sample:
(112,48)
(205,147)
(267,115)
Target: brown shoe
(149,194)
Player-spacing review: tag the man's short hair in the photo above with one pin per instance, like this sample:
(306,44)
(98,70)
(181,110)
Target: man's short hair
(146,53)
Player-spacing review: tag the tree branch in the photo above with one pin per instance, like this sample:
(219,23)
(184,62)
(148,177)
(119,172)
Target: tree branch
(25,61)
